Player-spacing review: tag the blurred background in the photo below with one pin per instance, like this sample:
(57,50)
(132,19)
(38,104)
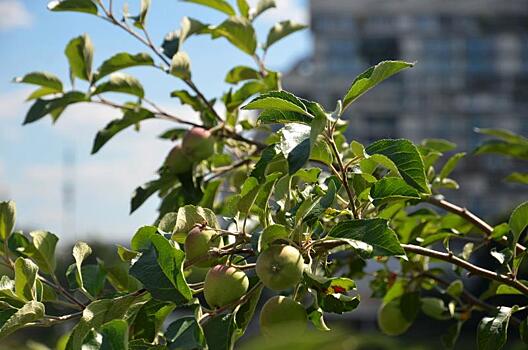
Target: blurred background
(471,72)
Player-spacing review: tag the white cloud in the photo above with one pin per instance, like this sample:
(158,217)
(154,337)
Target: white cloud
(14,15)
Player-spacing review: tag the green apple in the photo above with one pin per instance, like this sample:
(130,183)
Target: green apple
(280,267)
(391,320)
(197,245)
(282,315)
(224,285)
(177,161)
(198,144)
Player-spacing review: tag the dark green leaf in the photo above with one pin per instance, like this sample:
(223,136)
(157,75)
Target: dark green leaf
(518,221)
(123,83)
(54,106)
(278,100)
(281,30)
(372,77)
(43,79)
(439,145)
(504,135)
(79,52)
(240,73)
(243,8)
(220,5)
(392,188)
(449,339)
(503,148)
(150,318)
(160,269)
(375,232)
(239,32)
(266,157)
(143,11)
(86,6)
(523,330)
(115,335)
(219,332)
(185,334)
(493,331)
(142,193)
(405,156)
(131,117)
(121,61)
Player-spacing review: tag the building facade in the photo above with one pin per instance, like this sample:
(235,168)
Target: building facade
(471,71)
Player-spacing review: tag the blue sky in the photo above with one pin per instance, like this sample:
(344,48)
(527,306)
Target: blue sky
(31,157)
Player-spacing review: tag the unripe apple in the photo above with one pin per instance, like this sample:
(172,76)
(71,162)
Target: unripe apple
(198,144)
(177,161)
(391,320)
(280,267)
(224,285)
(197,245)
(282,315)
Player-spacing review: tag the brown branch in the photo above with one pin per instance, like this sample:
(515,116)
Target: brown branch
(473,269)
(464,213)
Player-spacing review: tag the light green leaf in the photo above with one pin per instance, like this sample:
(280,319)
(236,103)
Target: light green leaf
(278,100)
(41,92)
(372,77)
(451,164)
(392,188)
(435,308)
(43,79)
(190,215)
(143,11)
(79,52)
(131,117)
(504,148)
(517,177)
(25,279)
(181,66)
(239,32)
(98,313)
(505,289)
(86,6)
(44,250)
(123,83)
(405,156)
(241,73)
(12,319)
(121,61)
(7,218)
(281,30)
(220,5)
(270,234)
(504,135)
(493,331)
(243,8)
(455,288)
(115,335)
(81,251)
(375,232)
(262,6)
(518,221)
(439,145)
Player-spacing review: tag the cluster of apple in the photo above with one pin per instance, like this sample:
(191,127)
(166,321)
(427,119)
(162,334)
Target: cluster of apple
(279,267)
(197,145)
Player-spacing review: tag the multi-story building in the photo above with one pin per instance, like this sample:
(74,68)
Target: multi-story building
(471,71)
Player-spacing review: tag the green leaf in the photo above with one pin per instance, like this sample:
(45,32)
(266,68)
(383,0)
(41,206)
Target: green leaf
(122,83)
(518,221)
(143,11)
(150,319)
(12,319)
(451,164)
(271,233)
(160,269)
(41,92)
(439,145)
(245,312)
(25,279)
(43,79)
(43,254)
(121,61)
(281,30)
(262,6)
(449,339)
(504,135)
(79,52)
(188,217)
(219,332)
(239,32)
(266,157)
(295,145)
(405,156)
(250,88)
(493,331)
(98,313)
(54,106)
(7,291)
(372,77)
(143,192)
(517,177)
(220,5)
(502,148)
(505,289)
(435,308)
(375,232)
(130,117)
(7,218)
(279,100)
(181,66)
(185,334)
(243,8)
(241,73)
(455,288)
(115,335)
(85,6)
(392,188)
(81,251)
(523,330)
